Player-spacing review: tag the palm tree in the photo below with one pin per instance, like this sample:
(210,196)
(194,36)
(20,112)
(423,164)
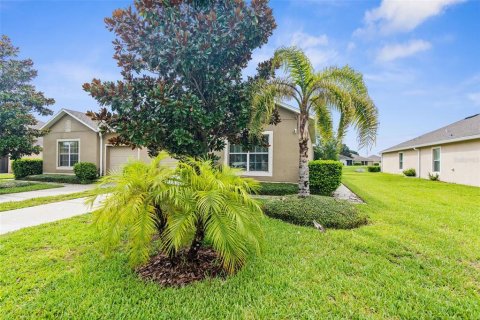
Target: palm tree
(318,93)
(185,207)
(214,205)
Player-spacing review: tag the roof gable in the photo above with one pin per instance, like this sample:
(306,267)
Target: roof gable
(465,129)
(77,115)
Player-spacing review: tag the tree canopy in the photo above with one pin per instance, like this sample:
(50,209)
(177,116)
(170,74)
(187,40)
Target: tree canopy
(19,100)
(182,89)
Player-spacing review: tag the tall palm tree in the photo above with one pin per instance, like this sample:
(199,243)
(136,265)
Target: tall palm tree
(318,93)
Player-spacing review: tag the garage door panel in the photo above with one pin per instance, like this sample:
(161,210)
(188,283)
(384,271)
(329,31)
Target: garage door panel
(119,156)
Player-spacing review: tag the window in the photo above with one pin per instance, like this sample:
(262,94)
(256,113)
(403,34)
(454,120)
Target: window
(436,159)
(400,161)
(257,160)
(68,153)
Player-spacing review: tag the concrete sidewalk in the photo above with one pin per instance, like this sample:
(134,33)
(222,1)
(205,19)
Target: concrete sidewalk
(27,217)
(66,189)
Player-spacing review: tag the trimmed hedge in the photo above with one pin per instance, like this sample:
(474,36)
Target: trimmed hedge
(277,189)
(60,178)
(410,172)
(85,171)
(329,212)
(26,167)
(325,176)
(373,169)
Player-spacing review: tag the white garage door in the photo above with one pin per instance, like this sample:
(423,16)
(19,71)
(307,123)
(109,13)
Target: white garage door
(119,156)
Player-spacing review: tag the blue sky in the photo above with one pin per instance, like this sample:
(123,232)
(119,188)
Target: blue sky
(420,59)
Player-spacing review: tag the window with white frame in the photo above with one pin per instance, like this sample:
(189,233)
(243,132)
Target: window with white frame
(255,160)
(68,153)
(436,159)
(400,161)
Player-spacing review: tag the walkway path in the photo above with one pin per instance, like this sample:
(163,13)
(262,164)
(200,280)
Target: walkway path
(27,217)
(68,188)
(343,193)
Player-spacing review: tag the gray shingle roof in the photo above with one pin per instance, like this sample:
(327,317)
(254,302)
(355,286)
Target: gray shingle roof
(342,157)
(83,117)
(465,129)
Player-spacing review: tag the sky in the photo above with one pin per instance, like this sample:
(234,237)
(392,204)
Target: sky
(420,59)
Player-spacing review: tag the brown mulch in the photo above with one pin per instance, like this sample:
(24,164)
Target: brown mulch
(179,271)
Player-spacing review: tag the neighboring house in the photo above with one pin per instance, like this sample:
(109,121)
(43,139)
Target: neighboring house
(452,152)
(74,137)
(375,160)
(347,161)
(359,160)
(6,163)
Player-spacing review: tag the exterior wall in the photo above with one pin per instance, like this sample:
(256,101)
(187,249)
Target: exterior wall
(89,144)
(459,162)
(390,161)
(285,149)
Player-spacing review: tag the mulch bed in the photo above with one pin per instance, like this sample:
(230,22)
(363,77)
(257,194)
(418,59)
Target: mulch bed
(179,271)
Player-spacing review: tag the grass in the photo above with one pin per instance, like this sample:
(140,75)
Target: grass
(6,176)
(7,187)
(12,205)
(417,259)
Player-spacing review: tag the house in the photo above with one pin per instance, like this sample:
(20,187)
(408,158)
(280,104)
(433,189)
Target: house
(375,160)
(6,162)
(74,137)
(452,152)
(347,161)
(359,160)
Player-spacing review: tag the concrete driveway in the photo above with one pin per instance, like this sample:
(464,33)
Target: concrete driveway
(66,189)
(27,217)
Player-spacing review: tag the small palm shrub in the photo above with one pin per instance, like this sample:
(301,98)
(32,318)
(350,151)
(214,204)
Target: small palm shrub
(410,172)
(193,204)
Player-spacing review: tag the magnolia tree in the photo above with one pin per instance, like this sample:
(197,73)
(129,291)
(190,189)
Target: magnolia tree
(19,100)
(182,89)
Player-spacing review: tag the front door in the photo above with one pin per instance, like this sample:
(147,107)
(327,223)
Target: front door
(4,165)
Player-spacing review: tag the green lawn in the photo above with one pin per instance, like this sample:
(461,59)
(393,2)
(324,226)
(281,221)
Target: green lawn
(13,186)
(418,258)
(12,205)
(6,176)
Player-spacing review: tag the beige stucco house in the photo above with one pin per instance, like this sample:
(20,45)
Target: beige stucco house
(452,152)
(74,137)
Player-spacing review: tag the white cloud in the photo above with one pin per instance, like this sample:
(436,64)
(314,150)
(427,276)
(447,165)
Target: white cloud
(475,98)
(351,46)
(392,52)
(305,40)
(402,16)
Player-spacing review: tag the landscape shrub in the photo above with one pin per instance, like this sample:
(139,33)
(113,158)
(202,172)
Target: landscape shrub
(85,171)
(433,176)
(329,212)
(410,172)
(26,167)
(59,178)
(325,176)
(373,168)
(277,189)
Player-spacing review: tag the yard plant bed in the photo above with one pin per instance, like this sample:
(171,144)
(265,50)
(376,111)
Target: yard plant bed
(418,258)
(178,271)
(329,212)
(60,178)
(13,186)
(277,189)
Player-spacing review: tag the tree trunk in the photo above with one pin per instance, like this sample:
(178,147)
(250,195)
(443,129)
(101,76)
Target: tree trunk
(161,221)
(197,242)
(303,172)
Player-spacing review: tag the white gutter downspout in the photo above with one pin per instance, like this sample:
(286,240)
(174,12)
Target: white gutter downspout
(101,153)
(418,160)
